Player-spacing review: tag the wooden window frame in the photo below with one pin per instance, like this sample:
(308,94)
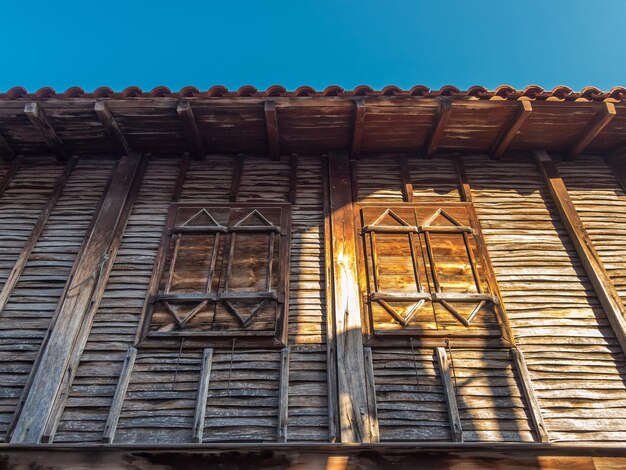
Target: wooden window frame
(242,337)
(475,338)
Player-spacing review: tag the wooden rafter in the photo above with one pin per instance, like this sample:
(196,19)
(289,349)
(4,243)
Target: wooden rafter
(441,121)
(6,151)
(606,113)
(512,128)
(358,125)
(112,127)
(271,123)
(40,122)
(191,130)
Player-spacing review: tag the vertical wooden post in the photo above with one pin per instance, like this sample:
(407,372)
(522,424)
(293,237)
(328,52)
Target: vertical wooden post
(600,280)
(355,420)
(283,397)
(331,336)
(59,343)
(407,184)
(203,390)
(371,392)
(448,389)
(118,399)
(529,393)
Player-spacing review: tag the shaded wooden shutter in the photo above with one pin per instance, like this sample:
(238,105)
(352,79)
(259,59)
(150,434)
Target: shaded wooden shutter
(222,275)
(425,272)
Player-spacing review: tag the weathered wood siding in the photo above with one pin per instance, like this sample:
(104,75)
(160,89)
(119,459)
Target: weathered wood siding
(243,392)
(601,204)
(575,363)
(409,390)
(577,368)
(30,309)
(117,319)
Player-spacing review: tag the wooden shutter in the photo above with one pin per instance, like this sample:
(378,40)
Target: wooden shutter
(222,276)
(425,272)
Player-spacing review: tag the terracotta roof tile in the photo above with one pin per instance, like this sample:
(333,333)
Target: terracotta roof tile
(533,92)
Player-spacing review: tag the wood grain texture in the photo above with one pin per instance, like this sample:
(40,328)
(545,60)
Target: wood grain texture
(283,397)
(271,124)
(371,393)
(355,422)
(37,406)
(409,395)
(190,126)
(203,390)
(511,129)
(600,279)
(116,321)
(39,120)
(20,263)
(529,393)
(9,173)
(6,151)
(31,309)
(112,127)
(439,127)
(604,115)
(574,360)
(358,125)
(118,399)
(450,394)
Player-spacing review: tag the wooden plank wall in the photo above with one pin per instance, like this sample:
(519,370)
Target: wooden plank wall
(575,363)
(487,386)
(29,311)
(117,319)
(243,390)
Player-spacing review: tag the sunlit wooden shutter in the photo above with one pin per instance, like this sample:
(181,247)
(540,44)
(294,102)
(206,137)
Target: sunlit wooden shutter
(425,272)
(223,274)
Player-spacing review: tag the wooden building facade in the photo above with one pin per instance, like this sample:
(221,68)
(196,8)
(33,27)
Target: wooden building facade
(336,278)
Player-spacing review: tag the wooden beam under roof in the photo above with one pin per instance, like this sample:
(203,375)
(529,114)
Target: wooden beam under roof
(441,121)
(191,130)
(271,123)
(512,128)
(110,123)
(40,122)
(357,127)
(6,151)
(606,113)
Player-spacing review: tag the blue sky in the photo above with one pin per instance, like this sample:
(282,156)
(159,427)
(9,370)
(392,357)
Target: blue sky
(318,43)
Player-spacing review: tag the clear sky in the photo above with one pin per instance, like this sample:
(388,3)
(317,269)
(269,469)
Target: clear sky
(318,43)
